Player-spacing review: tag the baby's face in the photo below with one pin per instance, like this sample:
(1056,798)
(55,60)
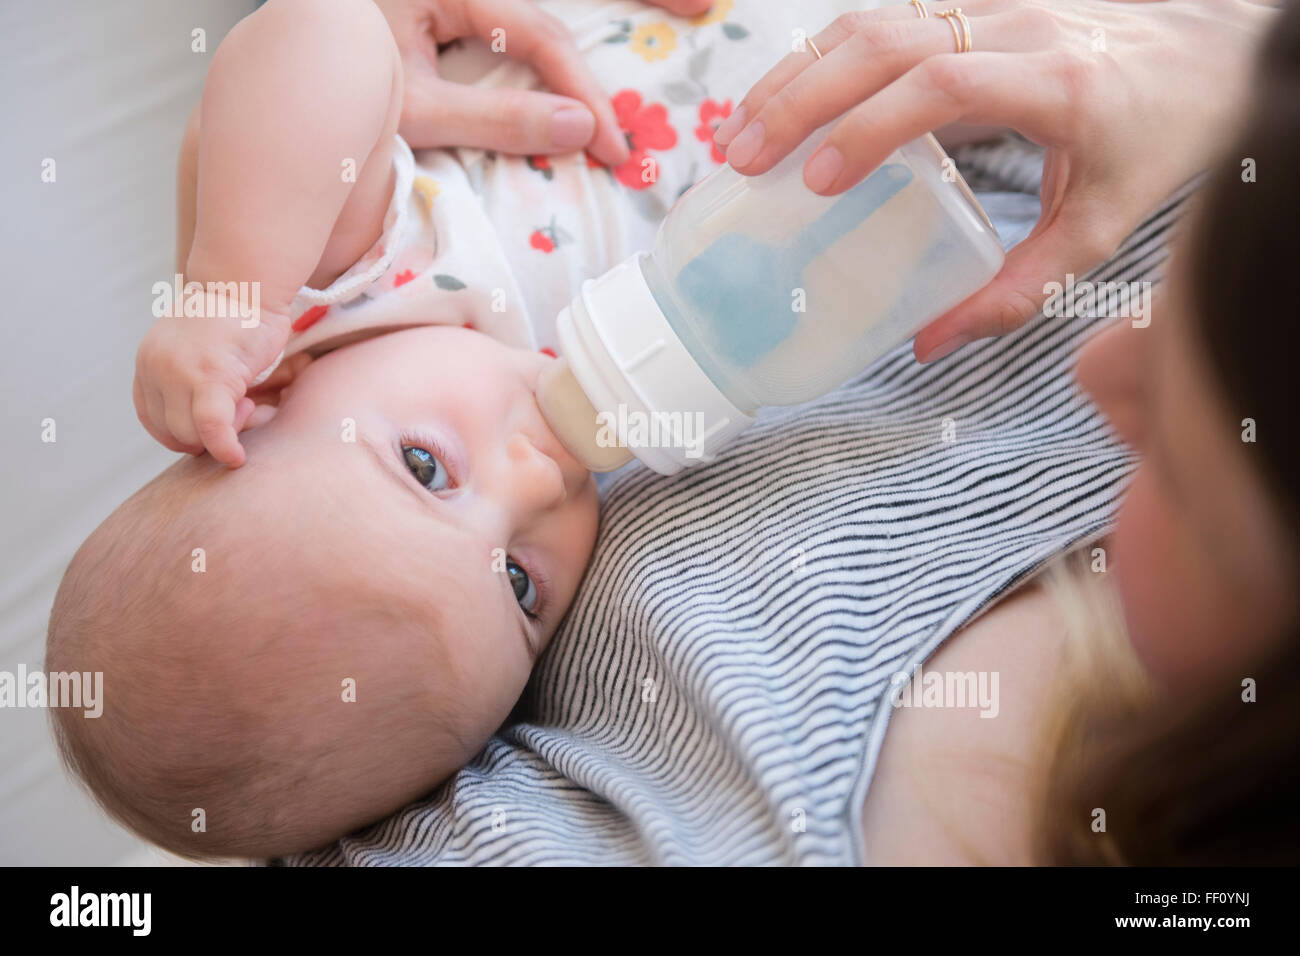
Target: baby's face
(433,435)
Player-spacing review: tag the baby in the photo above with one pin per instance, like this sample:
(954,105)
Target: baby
(333,609)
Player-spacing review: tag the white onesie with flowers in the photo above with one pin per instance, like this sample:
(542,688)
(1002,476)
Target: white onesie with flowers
(502,243)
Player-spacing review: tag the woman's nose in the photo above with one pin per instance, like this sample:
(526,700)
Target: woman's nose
(1110,370)
(536,481)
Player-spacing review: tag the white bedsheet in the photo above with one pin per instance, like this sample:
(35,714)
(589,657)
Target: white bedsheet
(103,89)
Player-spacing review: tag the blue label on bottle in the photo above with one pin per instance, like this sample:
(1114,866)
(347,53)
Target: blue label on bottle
(741,289)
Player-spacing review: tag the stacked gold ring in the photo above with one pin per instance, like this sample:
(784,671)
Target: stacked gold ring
(960,28)
(920,8)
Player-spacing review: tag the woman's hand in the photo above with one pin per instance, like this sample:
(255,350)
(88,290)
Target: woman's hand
(1129,100)
(435,112)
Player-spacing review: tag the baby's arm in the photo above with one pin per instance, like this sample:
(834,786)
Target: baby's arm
(294,176)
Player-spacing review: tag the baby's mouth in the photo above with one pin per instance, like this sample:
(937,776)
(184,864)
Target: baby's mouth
(573,420)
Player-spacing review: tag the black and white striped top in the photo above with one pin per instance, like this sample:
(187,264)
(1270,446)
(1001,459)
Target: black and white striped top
(718,693)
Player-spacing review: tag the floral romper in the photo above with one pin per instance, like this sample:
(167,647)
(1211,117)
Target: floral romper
(502,243)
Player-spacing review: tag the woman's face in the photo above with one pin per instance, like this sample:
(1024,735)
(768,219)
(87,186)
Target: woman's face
(1205,570)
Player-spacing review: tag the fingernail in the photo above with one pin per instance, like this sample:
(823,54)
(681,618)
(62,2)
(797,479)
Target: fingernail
(729,127)
(571,128)
(747,144)
(823,169)
(946,348)
(621,152)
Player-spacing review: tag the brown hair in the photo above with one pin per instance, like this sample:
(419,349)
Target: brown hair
(222,689)
(1206,779)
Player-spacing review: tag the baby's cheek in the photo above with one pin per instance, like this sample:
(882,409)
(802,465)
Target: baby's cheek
(493,669)
(575,531)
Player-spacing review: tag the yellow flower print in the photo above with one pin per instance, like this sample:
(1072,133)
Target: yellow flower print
(653,41)
(717,13)
(426,188)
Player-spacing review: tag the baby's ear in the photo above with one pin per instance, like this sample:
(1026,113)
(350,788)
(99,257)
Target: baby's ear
(266,395)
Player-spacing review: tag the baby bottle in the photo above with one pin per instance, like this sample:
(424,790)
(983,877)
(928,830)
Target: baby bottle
(760,292)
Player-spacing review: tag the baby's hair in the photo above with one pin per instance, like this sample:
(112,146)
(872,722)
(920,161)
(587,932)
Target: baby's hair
(225,729)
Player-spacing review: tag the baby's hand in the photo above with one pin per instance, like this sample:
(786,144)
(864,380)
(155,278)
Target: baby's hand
(192,376)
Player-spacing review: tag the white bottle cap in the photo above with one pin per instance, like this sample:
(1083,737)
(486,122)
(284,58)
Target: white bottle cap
(649,394)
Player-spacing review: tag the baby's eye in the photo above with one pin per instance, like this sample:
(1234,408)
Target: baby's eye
(525,590)
(426,468)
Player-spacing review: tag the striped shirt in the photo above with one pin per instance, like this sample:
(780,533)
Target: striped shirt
(719,691)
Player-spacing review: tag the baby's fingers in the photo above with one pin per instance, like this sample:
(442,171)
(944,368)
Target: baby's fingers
(284,373)
(214,412)
(149,408)
(260,415)
(244,409)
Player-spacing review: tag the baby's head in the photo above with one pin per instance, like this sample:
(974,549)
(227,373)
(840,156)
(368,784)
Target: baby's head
(300,646)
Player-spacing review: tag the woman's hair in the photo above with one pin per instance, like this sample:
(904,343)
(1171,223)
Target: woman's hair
(1211,779)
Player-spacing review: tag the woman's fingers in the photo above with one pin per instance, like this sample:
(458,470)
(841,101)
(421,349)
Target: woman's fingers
(683,8)
(795,62)
(509,120)
(975,87)
(861,54)
(1075,238)
(525,32)
(854,69)
(1072,235)
(438,113)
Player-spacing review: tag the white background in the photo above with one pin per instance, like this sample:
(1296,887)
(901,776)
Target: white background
(103,87)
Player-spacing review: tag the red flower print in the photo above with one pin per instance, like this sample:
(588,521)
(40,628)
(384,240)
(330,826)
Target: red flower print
(402,278)
(646,128)
(541,164)
(547,351)
(549,238)
(309,318)
(712,113)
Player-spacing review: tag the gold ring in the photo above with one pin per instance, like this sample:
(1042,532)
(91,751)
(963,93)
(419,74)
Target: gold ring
(920,8)
(814,48)
(959,33)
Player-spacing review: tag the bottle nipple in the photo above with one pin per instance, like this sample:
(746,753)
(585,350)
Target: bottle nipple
(573,419)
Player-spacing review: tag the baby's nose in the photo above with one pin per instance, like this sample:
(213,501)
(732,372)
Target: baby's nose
(537,480)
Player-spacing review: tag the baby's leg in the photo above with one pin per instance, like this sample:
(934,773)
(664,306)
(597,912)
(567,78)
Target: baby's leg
(288,168)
